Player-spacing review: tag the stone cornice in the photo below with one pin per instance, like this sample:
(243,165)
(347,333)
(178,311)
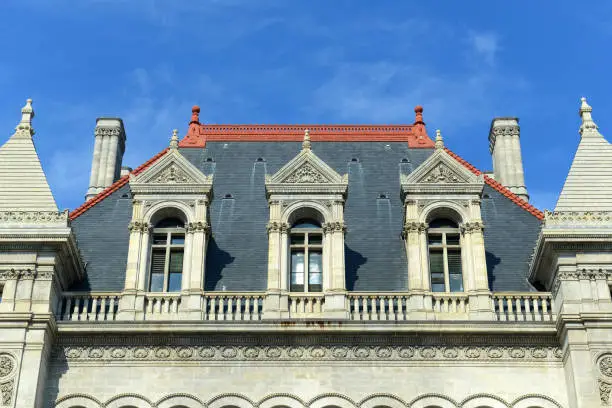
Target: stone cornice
(25,274)
(578,218)
(53,218)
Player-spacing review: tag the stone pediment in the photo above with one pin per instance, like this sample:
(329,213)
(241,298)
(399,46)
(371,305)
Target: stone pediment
(441,171)
(171,173)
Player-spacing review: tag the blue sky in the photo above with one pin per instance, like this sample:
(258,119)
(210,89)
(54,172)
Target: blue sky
(317,61)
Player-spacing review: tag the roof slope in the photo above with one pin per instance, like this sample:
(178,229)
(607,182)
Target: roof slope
(23,184)
(588,186)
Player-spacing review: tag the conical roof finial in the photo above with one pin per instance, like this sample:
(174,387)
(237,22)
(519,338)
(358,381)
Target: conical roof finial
(174,140)
(27,114)
(306,142)
(439,140)
(588,126)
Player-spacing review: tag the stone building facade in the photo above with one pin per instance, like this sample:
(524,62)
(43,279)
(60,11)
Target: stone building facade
(305,267)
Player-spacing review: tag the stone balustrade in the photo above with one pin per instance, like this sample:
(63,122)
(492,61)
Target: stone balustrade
(304,305)
(361,306)
(523,306)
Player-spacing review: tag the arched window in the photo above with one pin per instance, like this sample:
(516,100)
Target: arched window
(444,244)
(306,247)
(167,253)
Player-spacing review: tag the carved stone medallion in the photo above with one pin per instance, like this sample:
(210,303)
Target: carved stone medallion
(306,174)
(7,365)
(605,365)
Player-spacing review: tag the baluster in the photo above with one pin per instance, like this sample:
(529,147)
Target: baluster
(94,309)
(113,305)
(501,313)
(527,303)
(510,305)
(68,308)
(545,313)
(103,315)
(205,307)
(75,310)
(247,308)
(401,311)
(536,309)
(520,316)
(373,303)
(230,308)
(213,309)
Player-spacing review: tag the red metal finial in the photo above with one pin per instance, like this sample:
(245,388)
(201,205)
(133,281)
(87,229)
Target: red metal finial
(195,114)
(418,119)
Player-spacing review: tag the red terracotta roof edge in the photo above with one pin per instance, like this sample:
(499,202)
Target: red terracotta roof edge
(500,188)
(114,187)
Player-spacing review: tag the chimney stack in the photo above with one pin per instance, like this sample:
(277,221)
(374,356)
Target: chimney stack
(108,155)
(505,148)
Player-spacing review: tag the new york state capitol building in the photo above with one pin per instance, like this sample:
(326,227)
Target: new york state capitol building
(264,266)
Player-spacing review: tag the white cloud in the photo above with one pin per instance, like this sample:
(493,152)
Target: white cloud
(485,45)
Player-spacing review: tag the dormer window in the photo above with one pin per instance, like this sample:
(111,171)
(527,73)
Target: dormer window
(306,247)
(167,253)
(444,244)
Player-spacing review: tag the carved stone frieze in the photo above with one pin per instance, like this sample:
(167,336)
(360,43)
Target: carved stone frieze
(34,217)
(275,226)
(172,175)
(25,274)
(6,389)
(312,353)
(107,131)
(306,173)
(578,218)
(413,226)
(471,227)
(510,130)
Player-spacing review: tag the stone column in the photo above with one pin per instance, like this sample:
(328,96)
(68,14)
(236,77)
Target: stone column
(335,296)
(479,294)
(133,283)
(111,165)
(415,234)
(273,307)
(95,166)
(193,285)
(103,162)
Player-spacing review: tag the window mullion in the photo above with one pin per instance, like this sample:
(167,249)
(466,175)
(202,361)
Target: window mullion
(306,266)
(167,262)
(445,262)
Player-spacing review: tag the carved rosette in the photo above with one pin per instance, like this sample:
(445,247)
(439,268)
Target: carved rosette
(107,131)
(198,226)
(8,367)
(510,130)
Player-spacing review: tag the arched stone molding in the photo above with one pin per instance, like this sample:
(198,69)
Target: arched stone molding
(78,400)
(433,401)
(150,213)
(483,401)
(331,400)
(444,208)
(179,400)
(382,400)
(230,400)
(281,400)
(128,400)
(535,401)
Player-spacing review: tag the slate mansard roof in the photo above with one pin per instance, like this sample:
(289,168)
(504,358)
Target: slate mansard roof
(241,156)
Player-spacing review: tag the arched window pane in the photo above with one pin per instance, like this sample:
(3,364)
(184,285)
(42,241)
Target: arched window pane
(306,223)
(167,253)
(444,243)
(170,223)
(442,223)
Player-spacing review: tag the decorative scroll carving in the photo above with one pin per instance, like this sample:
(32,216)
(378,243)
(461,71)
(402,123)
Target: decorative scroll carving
(6,389)
(605,365)
(441,174)
(577,218)
(413,226)
(107,131)
(172,175)
(317,352)
(34,217)
(25,274)
(470,227)
(510,130)
(605,389)
(275,226)
(306,174)
(334,226)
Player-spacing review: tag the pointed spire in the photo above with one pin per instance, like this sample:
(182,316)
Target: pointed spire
(306,142)
(439,140)
(174,140)
(588,126)
(24,128)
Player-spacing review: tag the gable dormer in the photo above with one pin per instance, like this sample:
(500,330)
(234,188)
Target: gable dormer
(306,235)
(168,235)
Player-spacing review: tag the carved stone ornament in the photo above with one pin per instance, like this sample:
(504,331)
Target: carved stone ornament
(605,365)
(413,226)
(510,130)
(7,365)
(275,226)
(336,226)
(470,227)
(24,274)
(310,353)
(577,218)
(198,227)
(139,226)
(441,174)
(605,389)
(306,174)
(33,217)
(172,175)
(6,389)
(107,131)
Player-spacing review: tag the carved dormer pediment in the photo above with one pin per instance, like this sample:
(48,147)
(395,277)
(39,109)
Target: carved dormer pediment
(441,173)
(308,173)
(173,173)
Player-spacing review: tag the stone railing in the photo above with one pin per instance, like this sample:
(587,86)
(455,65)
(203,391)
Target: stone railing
(378,306)
(360,306)
(306,305)
(88,306)
(450,303)
(233,306)
(523,306)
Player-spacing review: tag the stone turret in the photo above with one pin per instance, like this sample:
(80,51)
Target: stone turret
(107,156)
(505,147)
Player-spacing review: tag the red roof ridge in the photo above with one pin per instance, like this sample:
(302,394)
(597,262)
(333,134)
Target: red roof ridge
(115,186)
(499,187)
